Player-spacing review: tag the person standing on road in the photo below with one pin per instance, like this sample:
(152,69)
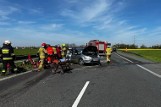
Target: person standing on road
(108,54)
(42,54)
(55,56)
(64,51)
(8,57)
(58,50)
(50,53)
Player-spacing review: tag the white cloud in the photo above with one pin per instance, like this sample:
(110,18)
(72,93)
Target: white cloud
(52,27)
(4,18)
(29,36)
(4,23)
(100,17)
(26,22)
(35,11)
(69,13)
(72,1)
(87,12)
(6,10)
(94,10)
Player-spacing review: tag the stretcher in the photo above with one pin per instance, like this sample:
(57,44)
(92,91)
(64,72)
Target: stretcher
(60,65)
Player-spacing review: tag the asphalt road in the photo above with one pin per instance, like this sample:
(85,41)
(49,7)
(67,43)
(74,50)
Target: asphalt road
(128,81)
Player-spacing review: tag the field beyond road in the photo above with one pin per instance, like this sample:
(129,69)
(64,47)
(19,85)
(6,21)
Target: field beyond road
(151,54)
(26,51)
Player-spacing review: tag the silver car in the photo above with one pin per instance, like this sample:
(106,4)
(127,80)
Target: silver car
(87,55)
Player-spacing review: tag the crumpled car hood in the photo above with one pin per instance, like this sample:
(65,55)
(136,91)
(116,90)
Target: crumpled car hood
(90,51)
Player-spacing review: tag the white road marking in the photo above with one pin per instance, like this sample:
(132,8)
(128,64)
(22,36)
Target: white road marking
(80,95)
(12,76)
(153,73)
(124,58)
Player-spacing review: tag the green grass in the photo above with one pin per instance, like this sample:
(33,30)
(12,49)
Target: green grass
(153,55)
(25,51)
(20,67)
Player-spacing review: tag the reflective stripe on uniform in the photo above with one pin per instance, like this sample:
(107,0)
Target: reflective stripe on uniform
(15,69)
(9,58)
(12,54)
(5,51)
(3,71)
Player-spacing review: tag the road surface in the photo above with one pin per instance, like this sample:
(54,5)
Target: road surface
(128,81)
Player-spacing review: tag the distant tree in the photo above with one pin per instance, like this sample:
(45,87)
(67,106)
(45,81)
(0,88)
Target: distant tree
(156,47)
(130,46)
(133,46)
(81,46)
(143,46)
(72,45)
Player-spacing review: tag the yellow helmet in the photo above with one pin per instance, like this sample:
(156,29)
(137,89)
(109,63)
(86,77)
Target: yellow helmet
(63,44)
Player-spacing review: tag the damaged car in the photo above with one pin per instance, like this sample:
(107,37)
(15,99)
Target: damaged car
(87,55)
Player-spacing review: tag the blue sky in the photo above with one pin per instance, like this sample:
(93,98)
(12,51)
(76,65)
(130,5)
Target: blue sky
(31,22)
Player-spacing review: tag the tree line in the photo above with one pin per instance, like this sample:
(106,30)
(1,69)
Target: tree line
(119,46)
(133,46)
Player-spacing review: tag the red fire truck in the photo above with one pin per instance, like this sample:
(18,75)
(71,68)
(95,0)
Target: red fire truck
(101,46)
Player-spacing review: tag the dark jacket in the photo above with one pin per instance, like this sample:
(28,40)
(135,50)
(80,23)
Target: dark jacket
(7,52)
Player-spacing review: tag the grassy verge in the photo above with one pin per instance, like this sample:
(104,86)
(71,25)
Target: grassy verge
(151,54)
(25,51)
(21,67)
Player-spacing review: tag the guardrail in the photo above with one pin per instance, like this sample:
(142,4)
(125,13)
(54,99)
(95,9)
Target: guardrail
(21,57)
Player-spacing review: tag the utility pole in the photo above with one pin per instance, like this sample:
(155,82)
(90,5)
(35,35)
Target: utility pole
(134,39)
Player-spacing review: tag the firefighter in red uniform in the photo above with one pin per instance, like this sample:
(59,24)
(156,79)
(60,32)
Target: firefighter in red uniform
(50,53)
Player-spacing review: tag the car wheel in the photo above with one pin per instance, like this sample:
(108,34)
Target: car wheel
(81,62)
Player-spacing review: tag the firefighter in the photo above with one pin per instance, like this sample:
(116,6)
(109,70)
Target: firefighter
(55,52)
(64,51)
(58,50)
(42,54)
(50,53)
(108,54)
(8,57)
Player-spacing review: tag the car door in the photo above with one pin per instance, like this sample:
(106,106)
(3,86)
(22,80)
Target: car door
(74,56)
(78,56)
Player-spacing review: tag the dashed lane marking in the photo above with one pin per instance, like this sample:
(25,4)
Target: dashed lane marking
(153,73)
(124,58)
(80,94)
(149,71)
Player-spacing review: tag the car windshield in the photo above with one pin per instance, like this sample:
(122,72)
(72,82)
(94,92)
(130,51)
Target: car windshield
(77,50)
